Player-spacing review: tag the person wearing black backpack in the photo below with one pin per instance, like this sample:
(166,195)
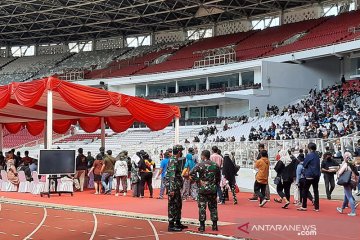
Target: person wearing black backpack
(146,166)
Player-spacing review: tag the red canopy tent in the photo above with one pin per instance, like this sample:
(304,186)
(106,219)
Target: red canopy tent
(61,104)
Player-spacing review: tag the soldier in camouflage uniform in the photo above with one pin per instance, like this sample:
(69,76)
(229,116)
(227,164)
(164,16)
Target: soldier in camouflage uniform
(174,184)
(207,175)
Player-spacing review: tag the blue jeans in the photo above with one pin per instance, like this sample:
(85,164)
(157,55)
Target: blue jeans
(162,188)
(348,198)
(358,188)
(108,186)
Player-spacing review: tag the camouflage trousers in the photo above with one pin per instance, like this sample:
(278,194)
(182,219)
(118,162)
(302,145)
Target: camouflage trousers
(211,201)
(174,206)
(225,191)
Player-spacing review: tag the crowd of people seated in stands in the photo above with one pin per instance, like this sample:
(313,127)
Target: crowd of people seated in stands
(193,92)
(326,114)
(330,113)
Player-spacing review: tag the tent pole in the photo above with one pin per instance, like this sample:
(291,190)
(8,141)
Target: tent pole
(1,137)
(102,132)
(45,135)
(49,120)
(177,132)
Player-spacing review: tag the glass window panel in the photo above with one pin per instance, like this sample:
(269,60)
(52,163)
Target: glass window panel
(195,112)
(140,90)
(224,81)
(210,111)
(247,78)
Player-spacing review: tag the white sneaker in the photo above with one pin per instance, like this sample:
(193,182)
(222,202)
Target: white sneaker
(352,214)
(116,194)
(263,203)
(124,194)
(340,210)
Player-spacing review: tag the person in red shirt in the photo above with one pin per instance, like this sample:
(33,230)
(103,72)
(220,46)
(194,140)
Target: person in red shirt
(27,159)
(96,168)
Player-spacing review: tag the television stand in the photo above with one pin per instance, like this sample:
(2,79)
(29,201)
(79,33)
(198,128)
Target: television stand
(54,177)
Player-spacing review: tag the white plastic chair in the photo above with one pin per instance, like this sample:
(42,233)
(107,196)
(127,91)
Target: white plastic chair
(24,185)
(65,185)
(36,187)
(7,186)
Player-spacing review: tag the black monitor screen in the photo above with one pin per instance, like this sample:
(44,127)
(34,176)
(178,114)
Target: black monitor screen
(57,162)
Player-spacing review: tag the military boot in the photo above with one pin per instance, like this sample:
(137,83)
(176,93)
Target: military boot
(202,226)
(173,228)
(215,226)
(179,225)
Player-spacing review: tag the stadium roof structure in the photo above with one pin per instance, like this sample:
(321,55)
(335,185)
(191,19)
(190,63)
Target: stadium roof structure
(55,21)
(35,104)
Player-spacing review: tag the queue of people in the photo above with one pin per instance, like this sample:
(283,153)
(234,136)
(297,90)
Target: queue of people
(304,172)
(209,178)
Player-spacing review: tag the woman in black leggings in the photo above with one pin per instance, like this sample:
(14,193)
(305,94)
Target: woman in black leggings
(286,171)
(146,166)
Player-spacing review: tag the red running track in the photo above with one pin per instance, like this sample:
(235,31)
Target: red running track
(255,221)
(24,222)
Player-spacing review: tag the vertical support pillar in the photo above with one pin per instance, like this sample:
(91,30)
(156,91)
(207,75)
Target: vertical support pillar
(240,79)
(207,84)
(1,137)
(49,120)
(102,132)
(45,135)
(177,130)
(281,16)
(176,87)
(146,90)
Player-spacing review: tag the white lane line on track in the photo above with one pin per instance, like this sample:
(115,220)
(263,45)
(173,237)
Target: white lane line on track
(39,226)
(95,227)
(154,230)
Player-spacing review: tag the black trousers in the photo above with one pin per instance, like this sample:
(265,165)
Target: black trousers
(329,184)
(283,189)
(260,190)
(314,182)
(146,177)
(302,190)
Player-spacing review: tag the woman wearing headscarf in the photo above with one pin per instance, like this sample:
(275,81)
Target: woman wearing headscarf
(229,171)
(286,172)
(12,174)
(134,175)
(121,172)
(348,165)
(189,187)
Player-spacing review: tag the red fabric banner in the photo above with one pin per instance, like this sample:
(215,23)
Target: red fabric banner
(120,124)
(4,95)
(13,127)
(35,128)
(87,100)
(28,94)
(155,115)
(62,126)
(90,125)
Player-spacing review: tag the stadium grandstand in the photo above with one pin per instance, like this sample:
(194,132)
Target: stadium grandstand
(243,74)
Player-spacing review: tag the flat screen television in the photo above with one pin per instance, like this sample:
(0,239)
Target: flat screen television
(57,161)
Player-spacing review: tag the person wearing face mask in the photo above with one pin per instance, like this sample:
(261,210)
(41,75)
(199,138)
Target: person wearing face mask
(329,167)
